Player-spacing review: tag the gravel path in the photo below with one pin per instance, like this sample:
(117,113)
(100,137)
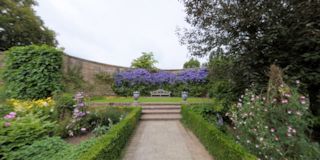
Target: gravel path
(164,140)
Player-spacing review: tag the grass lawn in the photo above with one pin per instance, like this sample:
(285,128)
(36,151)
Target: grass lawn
(150,99)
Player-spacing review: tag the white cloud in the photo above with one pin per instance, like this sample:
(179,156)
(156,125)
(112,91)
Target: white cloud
(117,31)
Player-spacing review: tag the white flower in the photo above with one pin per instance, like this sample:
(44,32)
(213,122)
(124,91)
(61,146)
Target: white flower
(294,131)
(45,104)
(272,130)
(297,81)
(299,113)
(289,111)
(266,127)
(257,146)
(261,139)
(248,141)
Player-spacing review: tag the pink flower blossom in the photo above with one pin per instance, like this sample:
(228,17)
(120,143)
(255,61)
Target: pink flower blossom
(297,81)
(7,124)
(9,116)
(83,129)
(284,101)
(276,138)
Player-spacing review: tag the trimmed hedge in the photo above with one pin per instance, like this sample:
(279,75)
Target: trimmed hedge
(33,72)
(217,143)
(110,145)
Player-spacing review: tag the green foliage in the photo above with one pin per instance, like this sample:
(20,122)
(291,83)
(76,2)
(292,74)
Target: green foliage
(20,26)
(63,104)
(192,63)
(146,61)
(47,148)
(32,72)
(100,130)
(275,126)
(5,109)
(22,131)
(257,34)
(219,145)
(110,145)
(73,79)
(223,80)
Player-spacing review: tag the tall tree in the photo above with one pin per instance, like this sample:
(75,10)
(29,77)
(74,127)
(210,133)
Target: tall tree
(258,34)
(192,63)
(146,61)
(19,25)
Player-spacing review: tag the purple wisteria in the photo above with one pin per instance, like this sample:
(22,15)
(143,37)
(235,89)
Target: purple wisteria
(142,76)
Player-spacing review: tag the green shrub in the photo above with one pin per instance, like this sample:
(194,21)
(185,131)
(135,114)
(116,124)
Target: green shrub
(46,149)
(219,145)
(22,131)
(110,145)
(33,72)
(63,104)
(5,109)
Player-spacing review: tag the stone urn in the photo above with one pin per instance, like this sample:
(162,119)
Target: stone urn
(136,95)
(184,96)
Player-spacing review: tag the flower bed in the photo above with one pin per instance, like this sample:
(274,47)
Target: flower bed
(107,146)
(217,143)
(34,129)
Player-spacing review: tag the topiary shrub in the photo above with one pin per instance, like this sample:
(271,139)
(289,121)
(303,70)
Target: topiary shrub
(32,72)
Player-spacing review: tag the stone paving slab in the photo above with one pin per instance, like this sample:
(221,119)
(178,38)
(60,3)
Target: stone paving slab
(164,140)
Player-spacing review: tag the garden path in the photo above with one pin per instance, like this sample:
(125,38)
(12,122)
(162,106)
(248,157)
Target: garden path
(164,140)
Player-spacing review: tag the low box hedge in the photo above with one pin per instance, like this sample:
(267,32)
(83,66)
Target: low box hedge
(216,142)
(110,145)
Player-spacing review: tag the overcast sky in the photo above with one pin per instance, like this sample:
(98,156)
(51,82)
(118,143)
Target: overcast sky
(117,31)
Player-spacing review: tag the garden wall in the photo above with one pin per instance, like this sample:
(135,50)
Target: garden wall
(90,68)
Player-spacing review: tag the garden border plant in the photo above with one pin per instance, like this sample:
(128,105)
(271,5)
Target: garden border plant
(216,142)
(107,146)
(110,145)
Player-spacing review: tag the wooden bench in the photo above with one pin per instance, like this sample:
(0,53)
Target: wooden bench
(160,92)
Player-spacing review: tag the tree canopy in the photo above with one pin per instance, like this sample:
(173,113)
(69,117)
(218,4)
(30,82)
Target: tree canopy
(19,25)
(146,61)
(258,34)
(192,63)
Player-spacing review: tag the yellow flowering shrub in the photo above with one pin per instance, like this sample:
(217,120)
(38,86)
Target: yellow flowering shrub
(32,105)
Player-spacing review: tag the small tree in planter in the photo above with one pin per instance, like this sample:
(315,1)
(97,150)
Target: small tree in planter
(275,126)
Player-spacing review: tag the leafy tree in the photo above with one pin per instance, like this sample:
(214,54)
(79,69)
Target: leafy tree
(146,61)
(258,34)
(20,26)
(192,63)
